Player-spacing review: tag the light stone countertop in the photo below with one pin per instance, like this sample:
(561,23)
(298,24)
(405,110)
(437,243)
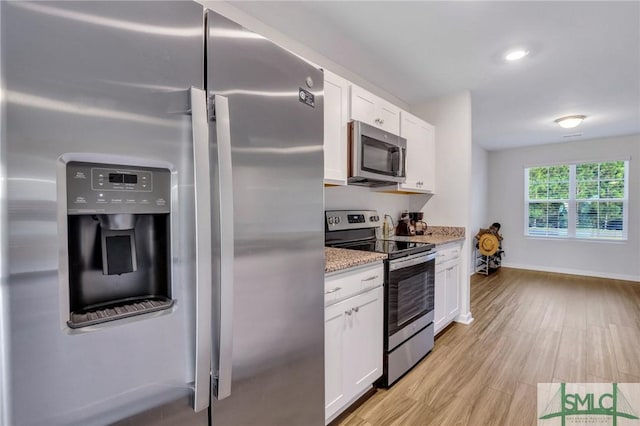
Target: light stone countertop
(437,235)
(337,259)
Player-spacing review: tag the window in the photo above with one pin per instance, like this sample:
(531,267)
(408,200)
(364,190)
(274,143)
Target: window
(585,200)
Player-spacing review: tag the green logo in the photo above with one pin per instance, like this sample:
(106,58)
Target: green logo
(588,401)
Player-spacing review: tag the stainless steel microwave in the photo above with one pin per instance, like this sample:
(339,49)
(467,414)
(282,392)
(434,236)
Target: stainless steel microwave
(376,157)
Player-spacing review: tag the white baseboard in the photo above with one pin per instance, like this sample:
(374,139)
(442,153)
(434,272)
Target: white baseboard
(464,318)
(573,272)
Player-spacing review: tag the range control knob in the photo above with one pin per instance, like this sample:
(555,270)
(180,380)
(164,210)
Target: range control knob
(337,218)
(374,218)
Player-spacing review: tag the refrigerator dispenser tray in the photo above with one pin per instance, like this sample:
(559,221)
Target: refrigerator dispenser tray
(115,311)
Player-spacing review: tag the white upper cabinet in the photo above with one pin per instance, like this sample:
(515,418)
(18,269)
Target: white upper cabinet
(336,117)
(421,152)
(373,110)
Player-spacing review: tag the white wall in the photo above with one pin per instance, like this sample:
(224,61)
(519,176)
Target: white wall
(452,117)
(451,204)
(479,195)
(506,205)
(358,197)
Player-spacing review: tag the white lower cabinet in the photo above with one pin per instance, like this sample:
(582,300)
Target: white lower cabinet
(353,338)
(334,330)
(447,287)
(439,309)
(452,290)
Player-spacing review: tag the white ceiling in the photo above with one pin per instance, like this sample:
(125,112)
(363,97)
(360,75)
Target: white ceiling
(585,58)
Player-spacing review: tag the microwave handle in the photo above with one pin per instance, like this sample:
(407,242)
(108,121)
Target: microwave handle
(401,169)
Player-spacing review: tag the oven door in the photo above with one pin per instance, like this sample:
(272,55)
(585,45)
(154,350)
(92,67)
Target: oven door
(410,301)
(378,154)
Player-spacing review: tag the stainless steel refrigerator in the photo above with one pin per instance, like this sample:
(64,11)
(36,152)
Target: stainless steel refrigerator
(161,219)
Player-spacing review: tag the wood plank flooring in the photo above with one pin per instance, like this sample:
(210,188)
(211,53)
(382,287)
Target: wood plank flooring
(530,327)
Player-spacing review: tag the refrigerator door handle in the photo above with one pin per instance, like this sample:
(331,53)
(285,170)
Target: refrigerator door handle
(223,364)
(202,187)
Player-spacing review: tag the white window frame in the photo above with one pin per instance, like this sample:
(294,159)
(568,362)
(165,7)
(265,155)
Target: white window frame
(572,202)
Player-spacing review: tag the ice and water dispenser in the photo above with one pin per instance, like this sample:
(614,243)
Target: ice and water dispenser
(119,242)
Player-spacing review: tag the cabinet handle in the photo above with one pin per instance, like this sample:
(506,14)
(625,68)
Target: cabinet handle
(381,121)
(333,290)
(356,309)
(370,278)
(348,312)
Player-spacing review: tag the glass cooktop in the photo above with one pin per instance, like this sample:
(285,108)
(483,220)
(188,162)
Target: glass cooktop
(391,247)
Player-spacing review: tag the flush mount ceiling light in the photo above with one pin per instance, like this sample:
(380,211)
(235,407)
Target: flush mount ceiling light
(570,121)
(515,55)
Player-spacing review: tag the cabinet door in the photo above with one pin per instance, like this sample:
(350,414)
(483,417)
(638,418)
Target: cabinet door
(363,341)
(428,170)
(373,110)
(388,116)
(334,330)
(410,130)
(336,116)
(420,154)
(453,291)
(440,310)
(363,106)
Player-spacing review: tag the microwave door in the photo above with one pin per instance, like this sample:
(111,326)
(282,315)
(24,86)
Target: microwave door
(378,157)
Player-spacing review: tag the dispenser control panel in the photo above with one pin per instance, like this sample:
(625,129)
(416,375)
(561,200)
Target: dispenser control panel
(112,188)
(121,180)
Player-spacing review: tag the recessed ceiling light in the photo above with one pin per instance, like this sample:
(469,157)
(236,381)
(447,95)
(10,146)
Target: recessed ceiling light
(570,121)
(515,55)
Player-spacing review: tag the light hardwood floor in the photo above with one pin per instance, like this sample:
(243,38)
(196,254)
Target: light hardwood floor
(530,327)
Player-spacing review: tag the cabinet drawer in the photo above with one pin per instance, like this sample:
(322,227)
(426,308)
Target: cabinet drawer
(447,254)
(345,284)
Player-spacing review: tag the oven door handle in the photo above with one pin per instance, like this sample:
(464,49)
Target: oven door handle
(394,265)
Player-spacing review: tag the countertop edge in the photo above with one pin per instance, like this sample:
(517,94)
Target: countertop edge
(348,259)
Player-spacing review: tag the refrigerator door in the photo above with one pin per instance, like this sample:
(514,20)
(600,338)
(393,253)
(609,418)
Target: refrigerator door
(273,107)
(107,78)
